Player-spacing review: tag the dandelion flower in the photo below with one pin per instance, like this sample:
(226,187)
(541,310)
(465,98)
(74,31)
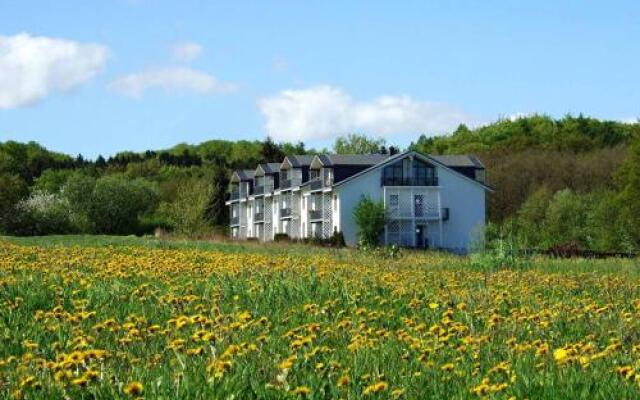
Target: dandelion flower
(133,389)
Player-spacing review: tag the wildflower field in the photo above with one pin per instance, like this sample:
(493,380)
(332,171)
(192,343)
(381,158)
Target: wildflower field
(227,321)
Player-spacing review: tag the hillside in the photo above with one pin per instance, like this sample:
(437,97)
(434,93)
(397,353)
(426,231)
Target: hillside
(530,159)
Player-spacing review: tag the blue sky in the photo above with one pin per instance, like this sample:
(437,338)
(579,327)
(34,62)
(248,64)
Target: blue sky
(105,76)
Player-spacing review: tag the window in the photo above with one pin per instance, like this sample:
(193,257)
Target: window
(423,173)
(314,174)
(418,205)
(392,174)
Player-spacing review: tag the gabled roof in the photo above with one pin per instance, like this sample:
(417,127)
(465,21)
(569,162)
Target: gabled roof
(269,168)
(243,175)
(402,155)
(329,160)
(298,161)
(459,160)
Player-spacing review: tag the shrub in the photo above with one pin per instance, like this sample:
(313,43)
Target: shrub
(44,213)
(281,237)
(337,240)
(371,218)
(117,203)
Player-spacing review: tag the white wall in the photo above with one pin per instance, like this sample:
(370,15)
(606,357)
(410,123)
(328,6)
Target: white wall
(349,195)
(466,203)
(464,198)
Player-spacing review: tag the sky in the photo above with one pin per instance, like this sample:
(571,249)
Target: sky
(98,77)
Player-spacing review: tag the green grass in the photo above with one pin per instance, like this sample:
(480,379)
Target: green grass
(47,283)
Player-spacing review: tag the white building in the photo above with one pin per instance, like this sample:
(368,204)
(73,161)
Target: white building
(431,201)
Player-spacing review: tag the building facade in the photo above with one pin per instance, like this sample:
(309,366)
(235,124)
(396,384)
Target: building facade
(430,201)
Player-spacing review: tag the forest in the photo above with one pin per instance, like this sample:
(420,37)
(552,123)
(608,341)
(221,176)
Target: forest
(569,181)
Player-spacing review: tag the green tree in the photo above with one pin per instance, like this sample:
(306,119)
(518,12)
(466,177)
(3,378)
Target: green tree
(608,229)
(117,203)
(271,152)
(12,190)
(566,219)
(628,180)
(52,180)
(354,143)
(217,211)
(370,217)
(531,215)
(187,214)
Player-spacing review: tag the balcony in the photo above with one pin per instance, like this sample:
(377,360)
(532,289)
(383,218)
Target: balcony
(289,183)
(285,212)
(235,194)
(260,190)
(427,181)
(315,214)
(419,213)
(315,184)
(235,221)
(258,217)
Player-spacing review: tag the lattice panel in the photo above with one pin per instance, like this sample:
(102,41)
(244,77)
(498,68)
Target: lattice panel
(327,222)
(406,233)
(400,232)
(412,202)
(393,232)
(268,219)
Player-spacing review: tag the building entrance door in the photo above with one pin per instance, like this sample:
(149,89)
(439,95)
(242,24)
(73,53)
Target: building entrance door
(420,236)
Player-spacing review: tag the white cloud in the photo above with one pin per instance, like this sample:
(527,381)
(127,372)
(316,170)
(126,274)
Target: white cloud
(32,67)
(325,111)
(186,52)
(170,80)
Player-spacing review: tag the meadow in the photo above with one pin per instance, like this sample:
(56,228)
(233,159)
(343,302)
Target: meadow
(108,317)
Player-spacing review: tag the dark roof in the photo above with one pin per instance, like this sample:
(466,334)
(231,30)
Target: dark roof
(459,160)
(351,159)
(270,168)
(245,174)
(300,160)
(404,154)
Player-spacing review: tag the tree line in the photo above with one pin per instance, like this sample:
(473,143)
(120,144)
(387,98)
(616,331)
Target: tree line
(557,181)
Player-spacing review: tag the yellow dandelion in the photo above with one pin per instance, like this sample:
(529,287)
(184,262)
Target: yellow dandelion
(343,381)
(134,388)
(376,388)
(301,391)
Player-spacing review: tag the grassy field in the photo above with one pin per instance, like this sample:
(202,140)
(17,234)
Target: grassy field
(110,317)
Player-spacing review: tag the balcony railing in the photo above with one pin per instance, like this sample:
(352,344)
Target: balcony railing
(260,190)
(315,214)
(419,213)
(235,221)
(427,181)
(289,183)
(315,184)
(285,212)
(258,217)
